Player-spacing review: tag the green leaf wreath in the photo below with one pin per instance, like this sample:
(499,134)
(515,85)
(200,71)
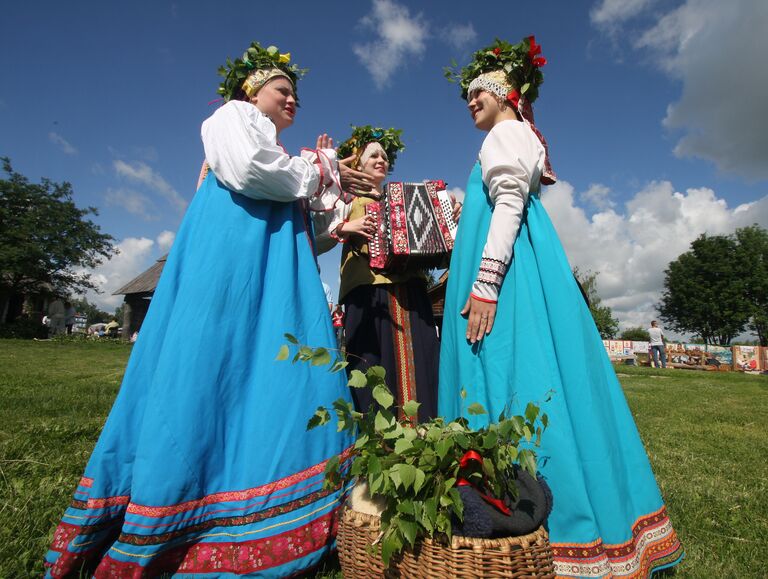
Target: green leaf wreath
(255,57)
(415,467)
(521,62)
(389,139)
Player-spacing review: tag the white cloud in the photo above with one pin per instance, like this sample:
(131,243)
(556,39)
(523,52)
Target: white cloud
(146,153)
(598,196)
(62,143)
(460,35)
(134,256)
(631,250)
(612,12)
(165,240)
(140,172)
(397,37)
(133,202)
(716,50)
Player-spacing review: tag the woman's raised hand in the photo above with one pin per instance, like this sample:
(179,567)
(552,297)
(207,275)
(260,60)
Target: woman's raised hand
(457,205)
(324,142)
(355,182)
(363,227)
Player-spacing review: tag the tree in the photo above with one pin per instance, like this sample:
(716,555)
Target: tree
(607,325)
(753,262)
(46,241)
(704,291)
(119,313)
(92,313)
(637,334)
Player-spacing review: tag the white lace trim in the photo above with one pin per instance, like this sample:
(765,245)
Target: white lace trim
(489,84)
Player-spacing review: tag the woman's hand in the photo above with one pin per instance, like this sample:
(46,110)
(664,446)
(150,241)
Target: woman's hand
(324,142)
(354,182)
(363,227)
(457,205)
(481,316)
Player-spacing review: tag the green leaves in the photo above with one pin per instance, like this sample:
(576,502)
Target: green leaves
(320,417)
(357,379)
(320,357)
(282,353)
(528,461)
(381,422)
(254,57)
(389,139)
(519,61)
(411,408)
(403,445)
(443,447)
(415,468)
(383,396)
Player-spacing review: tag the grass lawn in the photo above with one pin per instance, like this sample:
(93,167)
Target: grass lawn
(706,434)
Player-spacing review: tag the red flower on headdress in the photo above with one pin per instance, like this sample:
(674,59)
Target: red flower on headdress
(513,97)
(534,51)
(497,51)
(534,48)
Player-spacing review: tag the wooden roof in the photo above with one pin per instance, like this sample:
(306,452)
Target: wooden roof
(145,282)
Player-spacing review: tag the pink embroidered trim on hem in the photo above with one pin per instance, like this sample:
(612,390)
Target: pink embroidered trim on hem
(232,496)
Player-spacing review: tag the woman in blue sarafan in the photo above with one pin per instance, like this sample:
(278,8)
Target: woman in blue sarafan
(204,467)
(516,327)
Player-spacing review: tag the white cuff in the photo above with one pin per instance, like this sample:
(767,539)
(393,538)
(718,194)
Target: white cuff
(329,190)
(489,279)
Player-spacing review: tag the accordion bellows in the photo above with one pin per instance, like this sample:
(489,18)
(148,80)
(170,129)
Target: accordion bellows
(414,226)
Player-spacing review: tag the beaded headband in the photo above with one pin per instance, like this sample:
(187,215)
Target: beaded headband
(258,78)
(495,82)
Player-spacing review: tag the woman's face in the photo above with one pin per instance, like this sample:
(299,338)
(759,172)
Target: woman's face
(277,100)
(374,162)
(485,110)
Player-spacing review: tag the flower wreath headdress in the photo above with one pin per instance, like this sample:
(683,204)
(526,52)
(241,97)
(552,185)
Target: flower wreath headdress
(389,139)
(511,72)
(251,72)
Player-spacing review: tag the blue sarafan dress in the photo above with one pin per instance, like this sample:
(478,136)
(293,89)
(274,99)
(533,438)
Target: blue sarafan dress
(204,467)
(608,518)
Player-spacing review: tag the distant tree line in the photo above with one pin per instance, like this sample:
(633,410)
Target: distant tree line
(716,290)
(47,243)
(719,288)
(607,325)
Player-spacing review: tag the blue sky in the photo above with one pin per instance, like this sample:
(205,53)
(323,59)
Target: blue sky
(654,111)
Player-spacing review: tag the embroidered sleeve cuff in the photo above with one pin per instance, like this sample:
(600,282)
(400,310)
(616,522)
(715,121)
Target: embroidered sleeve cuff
(335,232)
(329,191)
(492,271)
(489,279)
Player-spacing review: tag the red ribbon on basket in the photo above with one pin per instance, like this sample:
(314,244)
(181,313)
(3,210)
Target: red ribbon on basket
(470,456)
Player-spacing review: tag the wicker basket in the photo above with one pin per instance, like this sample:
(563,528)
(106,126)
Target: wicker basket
(526,556)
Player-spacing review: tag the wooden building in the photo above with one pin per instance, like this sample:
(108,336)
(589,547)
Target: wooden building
(138,292)
(437,298)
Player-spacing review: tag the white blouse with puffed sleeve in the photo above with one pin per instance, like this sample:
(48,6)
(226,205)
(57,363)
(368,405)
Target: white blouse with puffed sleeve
(512,160)
(241,149)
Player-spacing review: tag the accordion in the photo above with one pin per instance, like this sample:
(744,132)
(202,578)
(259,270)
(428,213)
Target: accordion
(414,226)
